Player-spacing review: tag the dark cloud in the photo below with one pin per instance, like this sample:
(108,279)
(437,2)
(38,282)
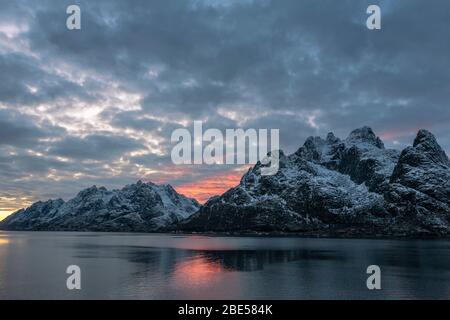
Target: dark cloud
(19,165)
(135,120)
(96,147)
(24,82)
(19,130)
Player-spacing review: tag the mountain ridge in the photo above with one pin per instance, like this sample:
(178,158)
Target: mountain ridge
(350,187)
(136,207)
(328,187)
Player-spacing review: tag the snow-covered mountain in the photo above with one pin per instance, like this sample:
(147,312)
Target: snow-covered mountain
(340,187)
(137,207)
(419,189)
(329,186)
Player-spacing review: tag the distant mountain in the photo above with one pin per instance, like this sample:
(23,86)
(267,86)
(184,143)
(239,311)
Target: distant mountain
(139,207)
(351,187)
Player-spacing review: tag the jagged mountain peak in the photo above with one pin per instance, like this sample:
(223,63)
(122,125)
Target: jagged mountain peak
(426,142)
(169,188)
(424,135)
(313,141)
(49,203)
(141,184)
(91,191)
(280,153)
(331,148)
(331,138)
(420,182)
(364,132)
(421,160)
(366,135)
(136,207)
(315,148)
(362,156)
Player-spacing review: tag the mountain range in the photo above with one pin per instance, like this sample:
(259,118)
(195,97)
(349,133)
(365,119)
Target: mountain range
(141,207)
(353,187)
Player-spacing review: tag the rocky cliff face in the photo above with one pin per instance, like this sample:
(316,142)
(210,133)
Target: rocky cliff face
(349,187)
(362,156)
(138,207)
(419,189)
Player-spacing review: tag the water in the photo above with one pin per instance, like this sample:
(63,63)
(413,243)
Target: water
(160,266)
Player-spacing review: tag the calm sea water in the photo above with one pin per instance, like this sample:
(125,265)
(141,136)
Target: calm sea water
(160,266)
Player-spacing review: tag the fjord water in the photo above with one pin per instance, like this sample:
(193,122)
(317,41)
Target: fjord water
(161,266)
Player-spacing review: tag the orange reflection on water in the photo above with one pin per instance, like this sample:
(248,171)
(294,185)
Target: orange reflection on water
(198,271)
(204,243)
(3,241)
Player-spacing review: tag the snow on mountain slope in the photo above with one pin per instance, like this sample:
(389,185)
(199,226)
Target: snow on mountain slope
(362,156)
(302,196)
(340,187)
(350,187)
(419,192)
(137,207)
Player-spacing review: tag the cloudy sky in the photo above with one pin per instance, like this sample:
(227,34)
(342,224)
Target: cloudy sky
(98,105)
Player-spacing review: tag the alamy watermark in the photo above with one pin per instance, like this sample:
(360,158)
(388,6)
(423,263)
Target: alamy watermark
(373,22)
(374,280)
(73,21)
(235,147)
(73,282)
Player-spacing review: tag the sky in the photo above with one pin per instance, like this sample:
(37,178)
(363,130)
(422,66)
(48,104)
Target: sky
(97,106)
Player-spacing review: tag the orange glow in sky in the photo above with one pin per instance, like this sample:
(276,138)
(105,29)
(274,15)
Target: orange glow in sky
(205,188)
(4,213)
(201,190)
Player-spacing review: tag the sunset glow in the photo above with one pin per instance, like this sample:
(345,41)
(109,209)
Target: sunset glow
(5,213)
(197,272)
(205,188)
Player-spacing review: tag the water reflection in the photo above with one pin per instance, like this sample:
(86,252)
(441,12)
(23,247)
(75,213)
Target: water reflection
(123,266)
(230,260)
(243,260)
(197,271)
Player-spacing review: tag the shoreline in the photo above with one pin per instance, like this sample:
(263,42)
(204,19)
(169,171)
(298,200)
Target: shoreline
(249,234)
